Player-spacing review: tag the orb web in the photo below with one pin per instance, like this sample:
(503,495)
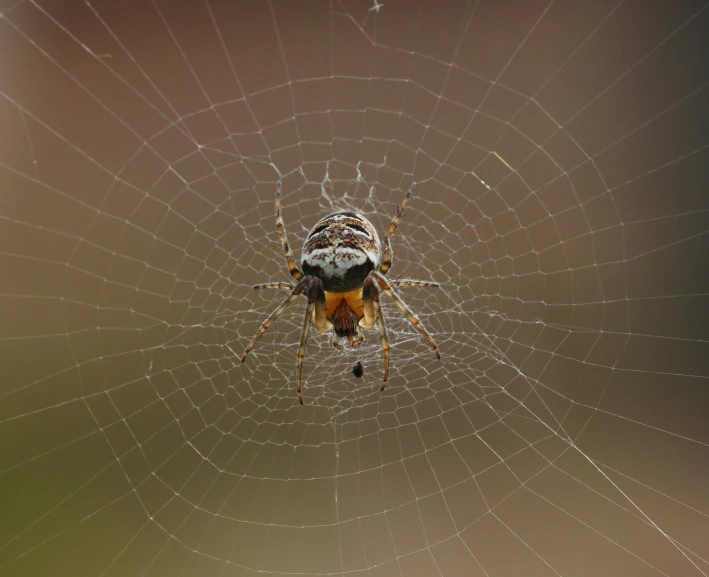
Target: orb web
(560,152)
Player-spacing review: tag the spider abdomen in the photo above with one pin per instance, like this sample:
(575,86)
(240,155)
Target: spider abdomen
(341,250)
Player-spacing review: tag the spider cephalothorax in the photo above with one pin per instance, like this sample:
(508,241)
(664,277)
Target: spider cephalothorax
(343,272)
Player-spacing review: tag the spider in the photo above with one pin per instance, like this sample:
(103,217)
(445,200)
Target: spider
(343,275)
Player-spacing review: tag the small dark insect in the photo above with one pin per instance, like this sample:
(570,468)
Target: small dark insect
(358,369)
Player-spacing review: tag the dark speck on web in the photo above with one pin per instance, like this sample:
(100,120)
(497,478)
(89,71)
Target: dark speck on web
(358,369)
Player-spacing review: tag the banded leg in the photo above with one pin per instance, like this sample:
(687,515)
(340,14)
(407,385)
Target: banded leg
(290,261)
(385,285)
(316,308)
(373,314)
(297,289)
(284,286)
(408,282)
(386,253)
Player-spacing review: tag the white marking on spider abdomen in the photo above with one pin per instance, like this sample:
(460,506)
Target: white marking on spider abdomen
(336,262)
(341,250)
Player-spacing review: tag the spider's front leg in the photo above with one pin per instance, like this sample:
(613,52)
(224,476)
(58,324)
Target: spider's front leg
(373,314)
(316,310)
(295,291)
(374,285)
(385,286)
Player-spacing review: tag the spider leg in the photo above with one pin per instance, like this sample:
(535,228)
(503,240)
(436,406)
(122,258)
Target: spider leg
(284,286)
(386,253)
(413,319)
(412,282)
(372,314)
(316,305)
(290,261)
(297,289)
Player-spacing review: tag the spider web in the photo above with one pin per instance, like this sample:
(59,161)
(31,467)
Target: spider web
(560,150)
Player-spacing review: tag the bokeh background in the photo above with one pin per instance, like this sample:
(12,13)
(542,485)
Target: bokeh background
(561,153)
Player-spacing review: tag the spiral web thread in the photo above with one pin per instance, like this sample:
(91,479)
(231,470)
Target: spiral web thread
(560,153)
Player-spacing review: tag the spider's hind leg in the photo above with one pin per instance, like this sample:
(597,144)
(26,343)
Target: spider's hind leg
(386,252)
(290,261)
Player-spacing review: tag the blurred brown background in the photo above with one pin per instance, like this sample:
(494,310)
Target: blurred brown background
(561,152)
